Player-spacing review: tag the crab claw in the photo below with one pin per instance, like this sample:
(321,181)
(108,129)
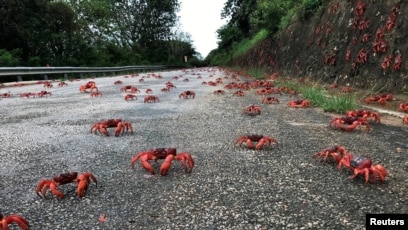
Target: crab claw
(345,161)
(5,221)
(185,157)
(164,168)
(119,129)
(44,185)
(144,161)
(380,171)
(99,127)
(265,141)
(83,182)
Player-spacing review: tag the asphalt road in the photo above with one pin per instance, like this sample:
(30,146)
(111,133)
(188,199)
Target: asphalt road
(281,187)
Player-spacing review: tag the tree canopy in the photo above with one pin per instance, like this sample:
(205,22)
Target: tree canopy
(248,18)
(91,33)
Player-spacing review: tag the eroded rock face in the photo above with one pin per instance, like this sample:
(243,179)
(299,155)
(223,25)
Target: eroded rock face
(361,43)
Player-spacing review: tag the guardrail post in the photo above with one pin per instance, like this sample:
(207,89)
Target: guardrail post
(81,75)
(19,78)
(65,77)
(46,77)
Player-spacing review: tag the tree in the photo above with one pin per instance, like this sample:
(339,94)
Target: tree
(180,45)
(22,26)
(228,36)
(239,13)
(88,32)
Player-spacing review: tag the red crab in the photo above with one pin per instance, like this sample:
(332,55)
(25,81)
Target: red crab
(28,95)
(348,55)
(96,94)
(149,91)
(5,221)
(365,114)
(187,94)
(346,89)
(218,92)
(387,62)
(118,82)
(405,120)
(360,8)
(250,139)
(83,181)
(403,107)
(270,100)
(48,84)
(168,154)
(151,99)
(334,86)
(349,123)
(380,99)
(170,85)
(253,109)
(336,152)
(299,103)
(121,127)
(91,85)
(130,97)
(397,62)
(268,90)
(238,93)
(131,88)
(44,93)
(362,165)
(380,46)
(62,84)
(6,95)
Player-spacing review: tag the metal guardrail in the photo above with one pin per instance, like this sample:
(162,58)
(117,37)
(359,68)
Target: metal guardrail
(19,72)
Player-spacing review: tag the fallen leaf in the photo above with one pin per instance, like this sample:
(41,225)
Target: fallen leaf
(102,218)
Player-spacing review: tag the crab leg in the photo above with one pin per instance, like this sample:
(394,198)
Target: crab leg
(364,171)
(53,187)
(4,222)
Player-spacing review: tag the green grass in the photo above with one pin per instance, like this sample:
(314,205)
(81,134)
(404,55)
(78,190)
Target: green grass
(339,103)
(247,44)
(256,73)
(317,95)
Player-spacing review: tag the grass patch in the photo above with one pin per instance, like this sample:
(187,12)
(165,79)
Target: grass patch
(317,95)
(256,73)
(247,44)
(339,103)
(313,94)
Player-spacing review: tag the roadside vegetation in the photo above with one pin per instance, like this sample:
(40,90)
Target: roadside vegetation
(329,101)
(250,22)
(93,33)
(319,96)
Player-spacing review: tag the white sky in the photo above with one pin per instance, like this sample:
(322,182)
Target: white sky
(201,19)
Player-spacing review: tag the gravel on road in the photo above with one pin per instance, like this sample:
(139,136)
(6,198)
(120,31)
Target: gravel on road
(281,187)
